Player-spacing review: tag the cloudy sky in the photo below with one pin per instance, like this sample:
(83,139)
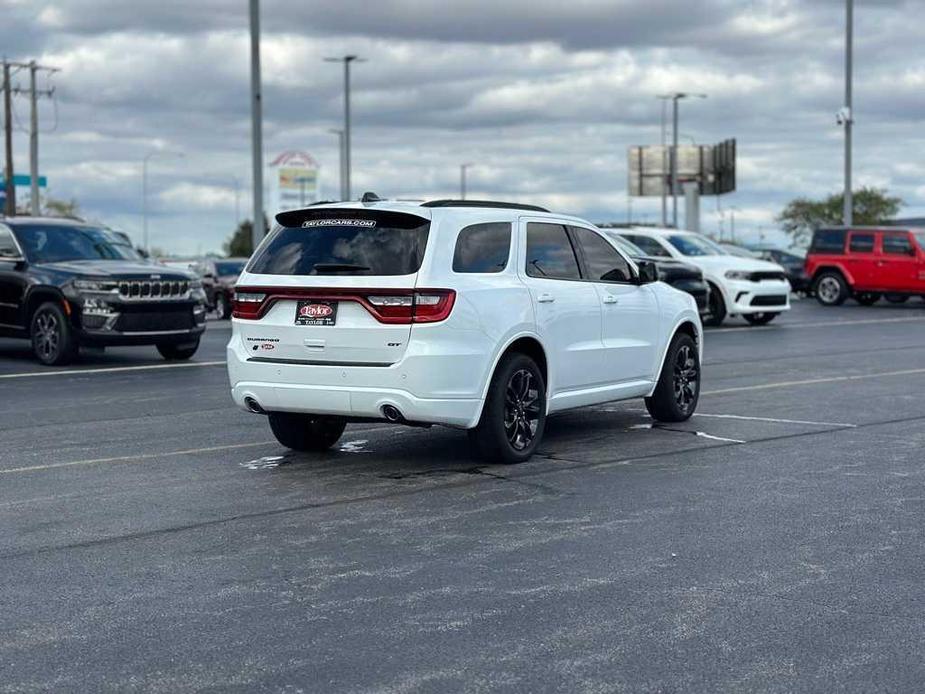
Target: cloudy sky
(542,96)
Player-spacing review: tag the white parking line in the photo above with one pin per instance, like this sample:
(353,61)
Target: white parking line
(134,458)
(810,381)
(113,369)
(829,324)
(776,421)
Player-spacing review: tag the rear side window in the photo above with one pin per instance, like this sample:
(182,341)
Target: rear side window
(897,244)
(649,245)
(372,244)
(483,248)
(828,241)
(7,245)
(604,264)
(549,253)
(861,243)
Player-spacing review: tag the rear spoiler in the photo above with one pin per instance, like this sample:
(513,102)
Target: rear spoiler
(385,218)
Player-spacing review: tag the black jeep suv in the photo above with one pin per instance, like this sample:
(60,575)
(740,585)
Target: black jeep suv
(67,283)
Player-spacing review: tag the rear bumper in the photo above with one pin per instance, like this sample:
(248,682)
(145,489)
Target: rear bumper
(427,388)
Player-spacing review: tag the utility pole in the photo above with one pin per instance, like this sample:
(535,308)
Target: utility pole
(257,227)
(848,215)
(346,60)
(675,98)
(34,93)
(462,180)
(664,187)
(237,200)
(340,152)
(8,140)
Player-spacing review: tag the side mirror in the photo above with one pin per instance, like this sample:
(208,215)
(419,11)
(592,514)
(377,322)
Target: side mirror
(648,272)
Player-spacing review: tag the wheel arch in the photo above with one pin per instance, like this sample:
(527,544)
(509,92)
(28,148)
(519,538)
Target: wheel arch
(525,343)
(849,279)
(688,326)
(38,296)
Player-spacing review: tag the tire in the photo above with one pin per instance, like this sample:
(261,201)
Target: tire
(760,318)
(896,298)
(867,298)
(830,288)
(306,432)
(222,307)
(678,389)
(514,416)
(174,352)
(717,309)
(53,339)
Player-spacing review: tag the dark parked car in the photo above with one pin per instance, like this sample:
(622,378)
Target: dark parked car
(218,277)
(679,275)
(793,264)
(67,283)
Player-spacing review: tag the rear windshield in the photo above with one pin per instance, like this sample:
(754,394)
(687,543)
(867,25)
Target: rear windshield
(381,245)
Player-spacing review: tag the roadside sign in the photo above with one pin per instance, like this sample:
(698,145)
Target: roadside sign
(25,181)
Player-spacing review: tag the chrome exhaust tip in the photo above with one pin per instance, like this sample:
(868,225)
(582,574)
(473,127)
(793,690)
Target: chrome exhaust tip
(253,406)
(392,413)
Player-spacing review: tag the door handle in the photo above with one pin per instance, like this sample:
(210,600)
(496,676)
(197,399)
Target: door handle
(611,299)
(545,298)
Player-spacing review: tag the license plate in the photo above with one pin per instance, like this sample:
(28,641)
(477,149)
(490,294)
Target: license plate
(316,312)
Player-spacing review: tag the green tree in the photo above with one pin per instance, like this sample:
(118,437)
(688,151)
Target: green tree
(870,206)
(62,208)
(239,245)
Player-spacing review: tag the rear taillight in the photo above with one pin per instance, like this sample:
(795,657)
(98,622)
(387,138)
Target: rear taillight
(386,306)
(418,306)
(247,304)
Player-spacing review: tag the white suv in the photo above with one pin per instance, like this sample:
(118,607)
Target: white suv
(754,289)
(477,315)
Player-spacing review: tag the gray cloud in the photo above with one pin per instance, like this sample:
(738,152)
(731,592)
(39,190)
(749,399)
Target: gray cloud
(543,96)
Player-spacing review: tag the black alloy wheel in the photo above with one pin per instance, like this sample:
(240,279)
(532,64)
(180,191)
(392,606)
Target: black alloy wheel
(521,410)
(53,340)
(717,309)
(514,415)
(678,389)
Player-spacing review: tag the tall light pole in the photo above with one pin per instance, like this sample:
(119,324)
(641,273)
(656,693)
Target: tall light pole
(144,191)
(346,60)
(257,227)
(675,98)
(847,115)
(664,99)
(237,199)
(340,152)
(462,180)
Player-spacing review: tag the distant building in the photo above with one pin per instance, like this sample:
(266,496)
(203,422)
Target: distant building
(908,222)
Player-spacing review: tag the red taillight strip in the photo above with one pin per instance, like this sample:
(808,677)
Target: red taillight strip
(432,313)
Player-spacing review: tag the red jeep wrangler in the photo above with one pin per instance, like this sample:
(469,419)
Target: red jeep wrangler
(866,263)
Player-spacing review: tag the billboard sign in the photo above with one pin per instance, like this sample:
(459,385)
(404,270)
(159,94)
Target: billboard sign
(294,183)
(712,167)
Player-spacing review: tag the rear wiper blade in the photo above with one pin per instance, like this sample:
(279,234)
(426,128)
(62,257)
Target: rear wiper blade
(339,267)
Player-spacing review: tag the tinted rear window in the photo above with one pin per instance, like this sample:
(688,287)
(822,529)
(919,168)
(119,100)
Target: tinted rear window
(549,253)
(897,244)
(483,248)
(828,241)
(861,243)
(376,244)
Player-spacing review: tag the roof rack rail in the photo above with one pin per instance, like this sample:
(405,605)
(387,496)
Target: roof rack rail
(483,203)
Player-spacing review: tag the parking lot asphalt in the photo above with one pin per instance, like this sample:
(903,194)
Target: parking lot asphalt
(153,537)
